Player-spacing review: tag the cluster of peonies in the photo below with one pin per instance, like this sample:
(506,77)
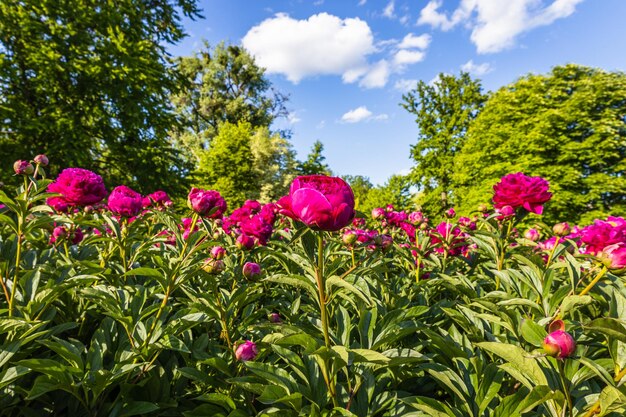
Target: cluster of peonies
(64,234)
(253,223)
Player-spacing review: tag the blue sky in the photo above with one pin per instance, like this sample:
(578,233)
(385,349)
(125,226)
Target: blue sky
(346,63)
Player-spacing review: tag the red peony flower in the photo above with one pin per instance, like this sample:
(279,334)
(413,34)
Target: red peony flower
(78,187)
(125,202)
(518,190)
(320,202)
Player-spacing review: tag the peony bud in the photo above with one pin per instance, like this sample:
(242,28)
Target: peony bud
(378,213)
(246,351)
(349,237)
(483,208)
(218,252)
(416,217)
(614,256)
(251,270)
(275,318)
(561,229)
(506,211)
(386,242)
(244,242)
(41,160)
(213,266)
(559,344)
(532,234)
(23,168)
(450,213)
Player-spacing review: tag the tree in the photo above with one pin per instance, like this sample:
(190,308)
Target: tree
(443,113)
(567,126)
(85,82)
(314,163)
(396,191)
(223,84)
(244,163)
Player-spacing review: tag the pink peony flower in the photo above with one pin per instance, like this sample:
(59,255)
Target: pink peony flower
(416,217)
(559,344)
(78,187)
(320,202)
(208,203)
(518,190)
(615,255)
(378,213)
(125,202)
(603,233)
(251,270)
(157,199)
(246,351)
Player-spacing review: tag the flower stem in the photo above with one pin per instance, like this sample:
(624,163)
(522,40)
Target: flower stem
(321,284)
(594,281)
(568,395)
(18,255)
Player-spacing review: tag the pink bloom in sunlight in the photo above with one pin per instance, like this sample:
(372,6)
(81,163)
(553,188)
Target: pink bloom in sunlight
(519,190)
(246,351)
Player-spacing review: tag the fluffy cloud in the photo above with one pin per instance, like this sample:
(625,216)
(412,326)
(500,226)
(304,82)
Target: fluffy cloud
(361,114)
(412,41)
(476,69)
(324,44)
(495,24)
(321,44)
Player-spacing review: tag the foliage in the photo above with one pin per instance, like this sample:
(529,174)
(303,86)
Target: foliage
(223,84)
(361,186)
(244,163)
(314,163)
(92,77)
(443,111)
(567,126)
(130,321)
(396,191)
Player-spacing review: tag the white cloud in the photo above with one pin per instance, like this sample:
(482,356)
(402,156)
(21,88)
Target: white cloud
(412,41)
(321,44)
(406,57)
(377,75)
(404,19)
(476,69)
(496,24)
(362,2)
(405,85)
(361,114)
(389,10)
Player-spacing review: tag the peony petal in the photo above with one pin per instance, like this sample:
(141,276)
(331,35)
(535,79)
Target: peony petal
(311,207)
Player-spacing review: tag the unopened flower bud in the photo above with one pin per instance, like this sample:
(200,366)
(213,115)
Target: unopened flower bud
(251,270)
(23,168)
(450,213)
(559,344)
(275,318)
(218,252)
(506,211)
(416,217)
(532,234)
(378,213)
(349,237)
(561,229)
(213,266)
(41,160)
(244,242)
(246,351)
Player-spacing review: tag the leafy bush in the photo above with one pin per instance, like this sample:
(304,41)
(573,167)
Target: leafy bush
(144,316)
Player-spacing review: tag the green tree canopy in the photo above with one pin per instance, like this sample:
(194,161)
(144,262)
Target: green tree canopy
(396,191)
(223,84)
(443,110)
(314,162)
(246,163)
(88,83)
(568,126)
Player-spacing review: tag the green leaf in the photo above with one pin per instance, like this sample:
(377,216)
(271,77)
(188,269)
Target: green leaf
(519,359)
(533,333)
(136,408)
(610,327)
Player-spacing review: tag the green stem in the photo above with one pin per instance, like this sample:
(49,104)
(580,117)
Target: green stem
(595,281)
(321,283)
(18,256)
(568,395)
(418,265)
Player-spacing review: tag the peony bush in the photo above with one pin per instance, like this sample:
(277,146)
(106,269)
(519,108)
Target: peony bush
(112,304)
